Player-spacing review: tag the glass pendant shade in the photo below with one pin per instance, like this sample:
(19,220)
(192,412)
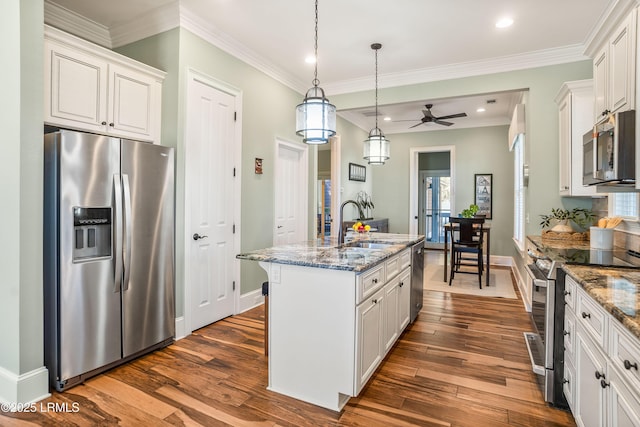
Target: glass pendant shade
(315,117)
(376,148)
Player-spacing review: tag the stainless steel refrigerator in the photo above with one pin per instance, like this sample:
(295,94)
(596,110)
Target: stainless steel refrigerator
(108,252)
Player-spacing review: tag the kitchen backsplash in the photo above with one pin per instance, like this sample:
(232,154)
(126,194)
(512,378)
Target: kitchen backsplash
(627,234)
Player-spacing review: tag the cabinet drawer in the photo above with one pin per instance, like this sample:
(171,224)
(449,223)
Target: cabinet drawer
(568,382)
(368,282)
(592,317)
(405,259)
(625,353)
(392,267)
(570,293)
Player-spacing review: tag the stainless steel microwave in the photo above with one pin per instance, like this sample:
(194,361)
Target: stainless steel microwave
(609,150)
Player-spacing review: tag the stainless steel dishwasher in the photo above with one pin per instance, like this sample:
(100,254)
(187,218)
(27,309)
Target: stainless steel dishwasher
(417,275)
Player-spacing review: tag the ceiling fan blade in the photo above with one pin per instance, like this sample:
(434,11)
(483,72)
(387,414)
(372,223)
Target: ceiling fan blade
(410,127)
(452,116)
(440,122)
(407,120)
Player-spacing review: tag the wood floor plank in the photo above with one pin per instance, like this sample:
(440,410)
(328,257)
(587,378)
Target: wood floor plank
(463,362)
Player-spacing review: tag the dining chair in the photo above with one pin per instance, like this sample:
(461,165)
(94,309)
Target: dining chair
(466,246)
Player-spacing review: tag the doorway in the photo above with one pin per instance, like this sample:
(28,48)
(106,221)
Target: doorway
(431,192)
(291,192)
(434,204)
(212,146)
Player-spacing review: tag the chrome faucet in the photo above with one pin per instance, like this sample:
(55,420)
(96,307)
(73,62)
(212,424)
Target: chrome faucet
(341,222)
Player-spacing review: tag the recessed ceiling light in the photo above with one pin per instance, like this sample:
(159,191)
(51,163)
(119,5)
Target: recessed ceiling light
(481,110)
(504,23)
(387,119)
(310,59)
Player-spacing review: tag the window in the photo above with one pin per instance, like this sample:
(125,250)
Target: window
(624,205)
(518,190)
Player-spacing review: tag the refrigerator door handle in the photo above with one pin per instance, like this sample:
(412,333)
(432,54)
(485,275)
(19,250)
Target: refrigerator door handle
(126,190)
(117,249)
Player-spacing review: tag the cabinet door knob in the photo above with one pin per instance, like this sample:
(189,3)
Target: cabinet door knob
(599,375)
(401,284)
(585,315)
(111,124)
(565,381)
(103,123)
(604,384)
(567,293)
(375,301)
(628,365)
(374,281)
(565,333)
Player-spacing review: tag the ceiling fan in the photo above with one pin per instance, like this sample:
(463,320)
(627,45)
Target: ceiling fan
(429,117)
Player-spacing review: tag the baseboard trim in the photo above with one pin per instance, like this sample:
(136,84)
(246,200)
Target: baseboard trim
(500,260)
(251,300)
(181,328)
(25,388)
(521,287)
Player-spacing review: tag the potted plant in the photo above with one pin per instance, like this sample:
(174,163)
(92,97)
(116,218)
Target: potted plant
(469,212)
(583,218)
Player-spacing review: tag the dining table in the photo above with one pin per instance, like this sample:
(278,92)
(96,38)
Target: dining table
(486,228)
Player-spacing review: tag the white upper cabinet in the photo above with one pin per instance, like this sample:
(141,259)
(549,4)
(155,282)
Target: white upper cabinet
(94,89)
(614,66)
(575,109)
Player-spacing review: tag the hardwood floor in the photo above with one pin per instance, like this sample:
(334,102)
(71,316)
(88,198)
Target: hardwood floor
(462,363)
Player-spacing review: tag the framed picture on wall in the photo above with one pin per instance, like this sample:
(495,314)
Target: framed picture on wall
(357,172)
(483,194)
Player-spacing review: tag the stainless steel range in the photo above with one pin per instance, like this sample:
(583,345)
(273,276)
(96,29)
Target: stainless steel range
(545,343)
(542,273)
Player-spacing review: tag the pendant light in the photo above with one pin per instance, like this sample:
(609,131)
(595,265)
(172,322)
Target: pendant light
(315,117)
(376,147)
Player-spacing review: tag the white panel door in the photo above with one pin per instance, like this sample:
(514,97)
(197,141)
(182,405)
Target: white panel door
(210,198)
(290,193)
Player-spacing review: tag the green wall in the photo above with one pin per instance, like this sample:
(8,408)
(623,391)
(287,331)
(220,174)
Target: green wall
(21,118)
(477,150)
(541,152)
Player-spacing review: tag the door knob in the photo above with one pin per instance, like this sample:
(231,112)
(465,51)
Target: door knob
(196,236)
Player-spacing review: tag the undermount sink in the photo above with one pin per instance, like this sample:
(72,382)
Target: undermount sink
(368,245)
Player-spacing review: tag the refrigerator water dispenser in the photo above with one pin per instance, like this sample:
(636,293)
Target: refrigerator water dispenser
(92,233)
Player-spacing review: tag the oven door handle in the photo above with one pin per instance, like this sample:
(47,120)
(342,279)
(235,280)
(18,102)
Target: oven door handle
(540,283)
(534,256)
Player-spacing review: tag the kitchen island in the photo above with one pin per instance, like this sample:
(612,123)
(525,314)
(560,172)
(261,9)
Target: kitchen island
(334,312)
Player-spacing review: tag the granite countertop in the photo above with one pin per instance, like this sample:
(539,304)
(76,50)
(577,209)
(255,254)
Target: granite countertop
(326,253)
(616,289)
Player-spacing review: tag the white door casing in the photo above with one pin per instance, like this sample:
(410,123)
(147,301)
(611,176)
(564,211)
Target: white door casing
(211,197)
(291,192)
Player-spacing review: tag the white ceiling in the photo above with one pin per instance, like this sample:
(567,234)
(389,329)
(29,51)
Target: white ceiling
(423,40)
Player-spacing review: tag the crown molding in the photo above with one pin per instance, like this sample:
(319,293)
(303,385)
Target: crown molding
(203,29)
(517,62)
(71,22)
(617,11)
(159,20)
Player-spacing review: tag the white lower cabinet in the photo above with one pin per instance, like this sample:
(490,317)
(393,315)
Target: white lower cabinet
(330,329)
(369,315)
(601,363)
(396,307)
(589,396)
